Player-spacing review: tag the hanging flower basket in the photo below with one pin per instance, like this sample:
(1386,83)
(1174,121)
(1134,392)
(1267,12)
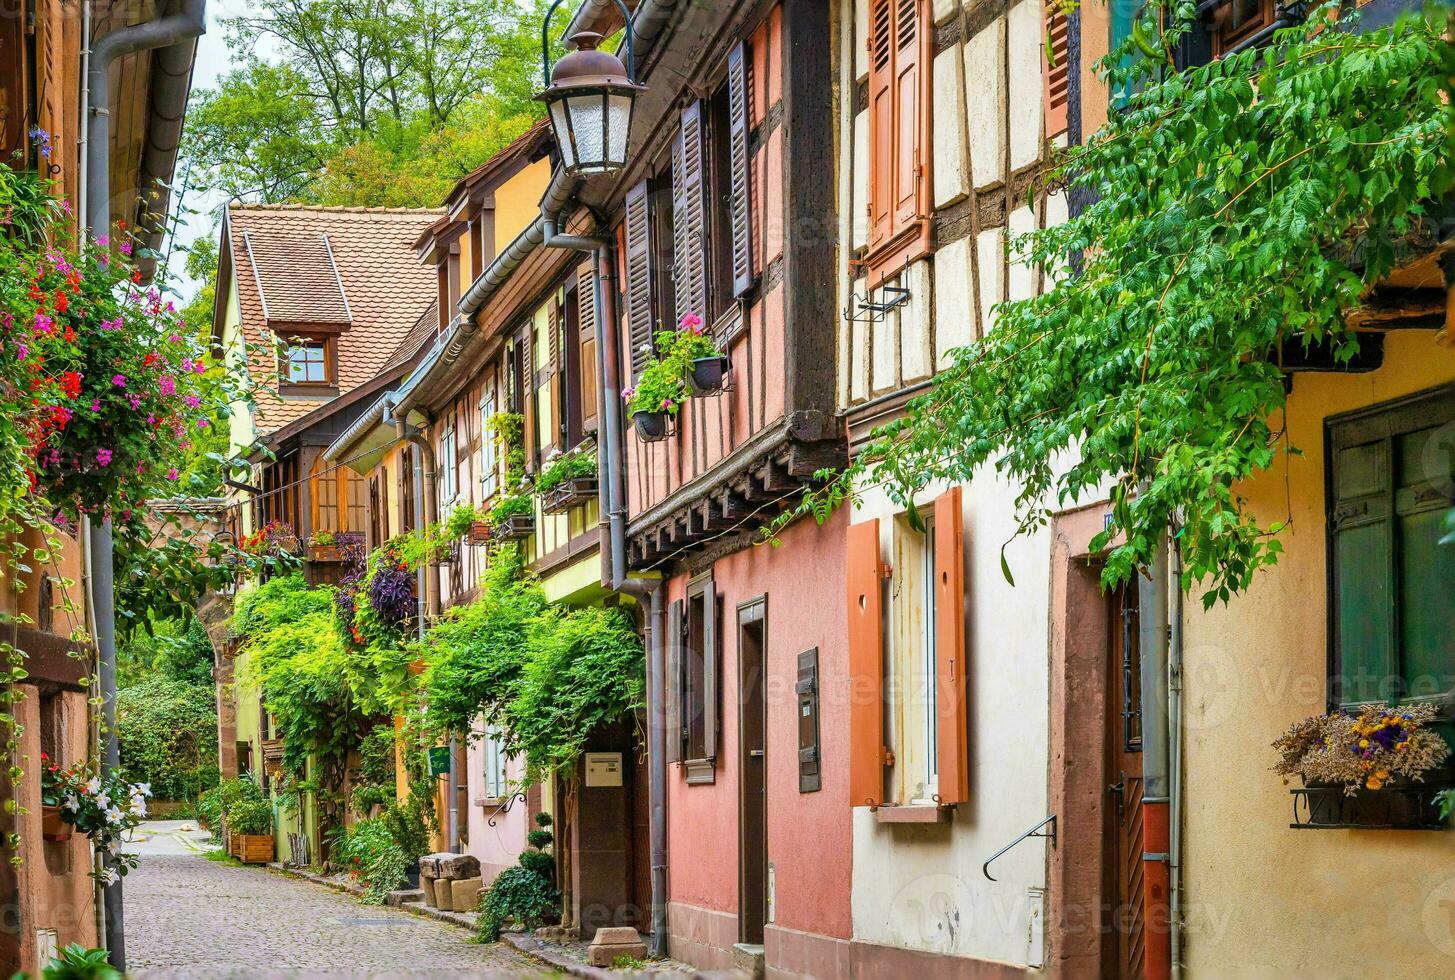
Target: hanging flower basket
(708,374)
(325,552)
(52,827)
(652,426)
(563,497)
(479,534)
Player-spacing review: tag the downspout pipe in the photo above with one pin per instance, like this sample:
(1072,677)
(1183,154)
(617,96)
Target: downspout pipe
(1174,753)
(176,34)
(1156,846)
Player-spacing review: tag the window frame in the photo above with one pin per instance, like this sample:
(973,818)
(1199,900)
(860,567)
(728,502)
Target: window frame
(489,446)
(327,362)
(496,782)
(1383,423)
(446,465)
(699,680)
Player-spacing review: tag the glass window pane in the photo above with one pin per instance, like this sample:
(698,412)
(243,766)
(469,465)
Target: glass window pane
(1426,605)
(1364,607)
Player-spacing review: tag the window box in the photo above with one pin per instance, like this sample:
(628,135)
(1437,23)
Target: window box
(52,827)
(514,528)
(325,552)
(479,534)
(708,374)
(251,848)
(1396,807)
(575,491)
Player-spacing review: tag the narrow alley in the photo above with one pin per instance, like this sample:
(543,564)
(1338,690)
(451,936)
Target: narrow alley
(187,916)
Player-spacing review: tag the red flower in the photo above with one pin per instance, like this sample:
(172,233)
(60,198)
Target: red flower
(70,335)
(136,275)
(71,384)
(63,302)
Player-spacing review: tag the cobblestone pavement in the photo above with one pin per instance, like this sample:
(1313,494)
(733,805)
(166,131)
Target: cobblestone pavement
(190,917)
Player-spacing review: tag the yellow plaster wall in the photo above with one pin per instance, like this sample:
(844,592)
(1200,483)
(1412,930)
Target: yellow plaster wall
(1264,900)
(518,201)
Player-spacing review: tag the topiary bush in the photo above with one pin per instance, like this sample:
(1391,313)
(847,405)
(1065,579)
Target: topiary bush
(523,894)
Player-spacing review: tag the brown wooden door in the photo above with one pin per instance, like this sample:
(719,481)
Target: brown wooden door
(753,767)
(1126,951)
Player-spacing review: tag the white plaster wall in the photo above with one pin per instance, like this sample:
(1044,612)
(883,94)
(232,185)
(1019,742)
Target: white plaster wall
(950,146)
(985,103)
(920,886)
(954,306)
(497,846)
(915,325)
(1025,59)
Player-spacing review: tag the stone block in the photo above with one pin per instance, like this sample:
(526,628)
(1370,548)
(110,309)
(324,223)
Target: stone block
(429,867)
(431,896)
(1025,53)
(749,959)
(444,897)
(952,169)
(404,896)
(613,942)
(447,865)
(465,893)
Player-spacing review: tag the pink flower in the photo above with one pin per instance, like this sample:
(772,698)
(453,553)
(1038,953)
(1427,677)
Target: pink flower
(95,404)
(691,321)
(192,401)
(103,240)
(43,323)
(168,386)
(119,380)
(202,423)
(103,457)
(21,352)
(135,401)
(126,248)
(172,473)
(151,420)
(199,367)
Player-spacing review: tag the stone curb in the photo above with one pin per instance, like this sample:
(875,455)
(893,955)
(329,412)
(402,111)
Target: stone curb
(526,945)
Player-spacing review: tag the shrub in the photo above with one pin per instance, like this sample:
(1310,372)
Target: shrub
(540,838)
(369,852)
(411,823)
(540,862)
(250,816)
(208,810)
(167,733)
(573,465)
(523,893)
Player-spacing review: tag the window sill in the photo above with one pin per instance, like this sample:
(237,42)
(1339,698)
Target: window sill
(700,772)
(893,257)
(912,813)
(291,390)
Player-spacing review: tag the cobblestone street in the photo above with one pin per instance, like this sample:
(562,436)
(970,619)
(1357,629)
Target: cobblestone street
(188,917)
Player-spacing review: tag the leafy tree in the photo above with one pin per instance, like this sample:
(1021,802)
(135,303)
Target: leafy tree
(166,729)
(1238,209)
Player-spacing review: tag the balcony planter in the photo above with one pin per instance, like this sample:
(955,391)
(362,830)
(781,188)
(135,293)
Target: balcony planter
(479,534)
(1406,806)
(251,848)
(325,552)
(563,497)
(708,374)
(651,426)
(514,528)
(52,827)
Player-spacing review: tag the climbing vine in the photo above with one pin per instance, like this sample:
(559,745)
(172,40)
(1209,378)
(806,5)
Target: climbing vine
(1237,211)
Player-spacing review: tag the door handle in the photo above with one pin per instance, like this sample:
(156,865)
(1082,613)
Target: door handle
(756,753)
(1119,788)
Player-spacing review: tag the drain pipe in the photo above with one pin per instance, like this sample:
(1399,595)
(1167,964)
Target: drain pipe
(1152,608)
(170,33)
(1174,755)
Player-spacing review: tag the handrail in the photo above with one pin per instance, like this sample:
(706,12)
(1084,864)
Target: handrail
(985,868)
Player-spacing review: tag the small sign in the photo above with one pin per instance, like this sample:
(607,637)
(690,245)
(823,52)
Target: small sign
(603,768)
(439,760)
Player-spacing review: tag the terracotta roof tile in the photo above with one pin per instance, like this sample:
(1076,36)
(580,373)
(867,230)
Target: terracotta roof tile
(378,292)
(425,329)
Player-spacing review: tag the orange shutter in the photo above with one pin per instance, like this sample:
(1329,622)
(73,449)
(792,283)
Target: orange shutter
(865,574)
(586,321)
(909,77)
(881,121)
(951,701)
(1057,74)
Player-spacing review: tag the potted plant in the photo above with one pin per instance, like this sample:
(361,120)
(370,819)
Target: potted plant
(513,516)
(250,829)
(468,522)
(1354,765)
(568,480)
(104,808)
(707,366)
(323,546)
(52,826)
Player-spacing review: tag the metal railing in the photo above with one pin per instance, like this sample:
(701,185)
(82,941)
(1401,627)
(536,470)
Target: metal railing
(1033,832)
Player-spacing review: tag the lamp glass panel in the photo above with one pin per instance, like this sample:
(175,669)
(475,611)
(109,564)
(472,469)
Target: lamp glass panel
(563,133)
(588,122)
(618,126)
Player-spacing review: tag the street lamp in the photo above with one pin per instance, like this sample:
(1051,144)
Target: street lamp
(590,96)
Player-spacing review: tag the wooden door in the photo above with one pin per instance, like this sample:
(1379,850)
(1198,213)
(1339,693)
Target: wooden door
(1122,868)
(753,781)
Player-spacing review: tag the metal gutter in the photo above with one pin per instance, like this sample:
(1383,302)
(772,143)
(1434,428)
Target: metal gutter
(176,35)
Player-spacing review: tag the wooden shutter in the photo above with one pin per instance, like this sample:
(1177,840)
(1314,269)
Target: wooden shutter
(951,701)
(672,700)
(810,765)
(864,573)
(741,204)
(586,322)
(909,77)
(555,393)
(639,276)
(881,121)
(689,217)
(1057,72)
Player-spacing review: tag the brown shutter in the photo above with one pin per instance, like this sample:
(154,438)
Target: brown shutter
(638,276)
(586,321)
(951,700)
(688,217)
(710,660)
(909,77)
(672,696)
(864,573)
(1057,74)
(881,121)
(741,190)
(555,392)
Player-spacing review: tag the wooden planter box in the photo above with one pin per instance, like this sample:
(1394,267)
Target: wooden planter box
(52,827)
(325,552)
(514,528)
(251,848)
(575,491)
(479,534)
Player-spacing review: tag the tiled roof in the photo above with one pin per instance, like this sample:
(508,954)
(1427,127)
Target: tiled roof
(425,329)
(378,292)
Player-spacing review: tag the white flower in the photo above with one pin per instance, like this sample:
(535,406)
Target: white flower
(73,803)
(139,806)
(94,786)
(109,876)
(103,800)
(115,816)
(142,789)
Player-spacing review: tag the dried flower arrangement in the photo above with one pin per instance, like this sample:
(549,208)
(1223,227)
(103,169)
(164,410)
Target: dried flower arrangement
(1365,750)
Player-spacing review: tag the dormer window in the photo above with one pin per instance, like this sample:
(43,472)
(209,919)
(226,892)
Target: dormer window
(308,361)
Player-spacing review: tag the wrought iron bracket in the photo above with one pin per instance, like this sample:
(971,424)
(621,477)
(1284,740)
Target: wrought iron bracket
(890,299)
(1033,832)
(504,807)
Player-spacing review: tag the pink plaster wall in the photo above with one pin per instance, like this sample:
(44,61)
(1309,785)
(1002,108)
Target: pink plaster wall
(497,847)
(809,836)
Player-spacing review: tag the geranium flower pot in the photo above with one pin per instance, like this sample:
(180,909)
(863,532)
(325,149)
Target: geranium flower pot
(708,374)
(651,426)
(568,494)
(52,827)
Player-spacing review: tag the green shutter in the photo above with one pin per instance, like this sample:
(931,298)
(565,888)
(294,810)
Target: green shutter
(1362,549)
